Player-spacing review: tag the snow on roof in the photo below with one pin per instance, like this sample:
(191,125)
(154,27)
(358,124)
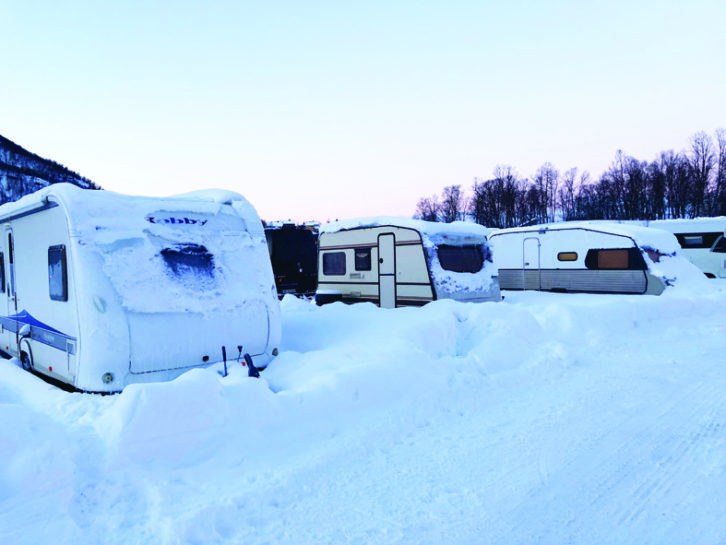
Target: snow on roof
(124,230)
(94,210)
(221,196)
(430,230)
(644,237)
(689,225)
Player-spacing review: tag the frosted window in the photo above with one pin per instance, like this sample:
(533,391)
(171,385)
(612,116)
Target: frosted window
(57,273)
(334,263)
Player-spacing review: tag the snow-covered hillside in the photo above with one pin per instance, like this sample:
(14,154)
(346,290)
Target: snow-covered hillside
(23,172)
(545,418)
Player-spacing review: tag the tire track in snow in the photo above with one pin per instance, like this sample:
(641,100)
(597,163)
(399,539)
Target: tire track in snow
(634,476)
(679,457)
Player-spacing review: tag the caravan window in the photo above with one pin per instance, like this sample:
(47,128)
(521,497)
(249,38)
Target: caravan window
(696,240)
(189,260)
(57,273)
(2,271)
(615,259)
(334,263)
(720,246)
(461,258)
(363,259)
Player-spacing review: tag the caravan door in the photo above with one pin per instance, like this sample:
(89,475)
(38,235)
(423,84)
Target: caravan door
(10,303)
(531,272)
(387,270)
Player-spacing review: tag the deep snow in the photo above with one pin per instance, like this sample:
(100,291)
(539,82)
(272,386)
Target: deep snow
(545,418)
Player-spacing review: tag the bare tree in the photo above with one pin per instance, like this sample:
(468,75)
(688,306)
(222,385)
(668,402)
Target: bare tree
(567,194)
(478,203)
(702,161)
(546,181)
(452,201)
(719,199)
(427,208)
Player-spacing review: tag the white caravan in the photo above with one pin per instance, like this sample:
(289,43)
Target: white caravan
(101,290)
(594,257)
(403,262)
(703,241)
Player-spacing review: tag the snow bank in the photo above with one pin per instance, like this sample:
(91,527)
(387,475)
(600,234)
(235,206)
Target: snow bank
(545,418)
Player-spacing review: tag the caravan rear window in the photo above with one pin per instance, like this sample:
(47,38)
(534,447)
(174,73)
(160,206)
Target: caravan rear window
(615,259)
(460,258)
(57,273)
(189,260)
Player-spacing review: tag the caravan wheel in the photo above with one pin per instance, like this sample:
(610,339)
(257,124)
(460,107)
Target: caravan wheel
(26,356)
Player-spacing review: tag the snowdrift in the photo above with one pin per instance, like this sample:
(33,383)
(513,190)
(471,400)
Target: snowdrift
(544,418)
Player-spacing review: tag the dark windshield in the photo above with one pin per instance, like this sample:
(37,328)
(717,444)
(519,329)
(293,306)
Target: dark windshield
(467,259)
(720,246)
(696,240)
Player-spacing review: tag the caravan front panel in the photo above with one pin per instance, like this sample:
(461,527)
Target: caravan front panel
(703,242)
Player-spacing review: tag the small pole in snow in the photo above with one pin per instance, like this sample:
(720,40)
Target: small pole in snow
(224,359)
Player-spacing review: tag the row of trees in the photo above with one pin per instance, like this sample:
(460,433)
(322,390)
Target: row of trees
(675,185)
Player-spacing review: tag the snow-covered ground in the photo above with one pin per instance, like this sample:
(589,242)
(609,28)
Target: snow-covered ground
(546,418)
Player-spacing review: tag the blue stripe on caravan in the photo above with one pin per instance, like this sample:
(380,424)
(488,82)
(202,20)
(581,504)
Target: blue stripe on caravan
(40,332)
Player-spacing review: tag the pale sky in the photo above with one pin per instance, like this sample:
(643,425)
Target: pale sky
(325,110)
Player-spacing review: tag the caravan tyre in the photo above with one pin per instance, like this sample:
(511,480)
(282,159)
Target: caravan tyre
(25,361)
(26,355)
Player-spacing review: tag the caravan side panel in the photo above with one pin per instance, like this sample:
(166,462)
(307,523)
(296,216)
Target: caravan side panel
(349,267)
(40,322)
(573,280)
(561,262)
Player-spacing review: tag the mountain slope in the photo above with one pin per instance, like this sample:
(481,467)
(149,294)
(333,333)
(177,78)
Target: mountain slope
(23,172)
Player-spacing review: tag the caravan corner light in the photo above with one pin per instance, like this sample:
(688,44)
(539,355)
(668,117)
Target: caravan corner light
(107,378)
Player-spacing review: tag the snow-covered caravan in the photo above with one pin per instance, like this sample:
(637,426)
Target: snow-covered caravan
(703,241)
(101,290)
(402,262)
(593,257)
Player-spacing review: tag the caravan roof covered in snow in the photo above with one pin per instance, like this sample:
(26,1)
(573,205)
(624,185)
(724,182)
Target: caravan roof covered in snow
(686,225)
(432,232)
(187,240)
